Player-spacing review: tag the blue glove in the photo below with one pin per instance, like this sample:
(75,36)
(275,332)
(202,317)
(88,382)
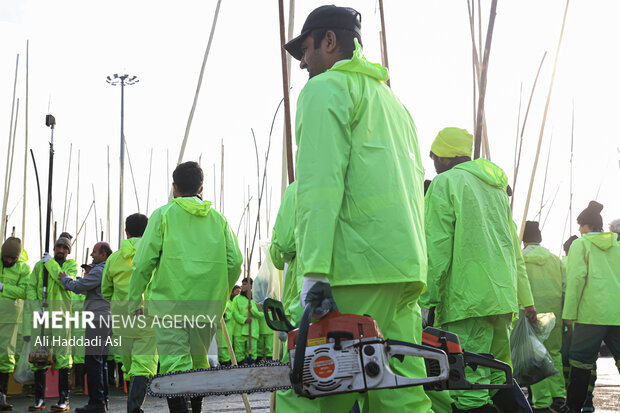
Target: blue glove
(1,286)
(317,291)
(46,257)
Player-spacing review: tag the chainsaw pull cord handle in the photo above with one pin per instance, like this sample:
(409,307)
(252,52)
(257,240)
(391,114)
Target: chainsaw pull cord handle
(300,349)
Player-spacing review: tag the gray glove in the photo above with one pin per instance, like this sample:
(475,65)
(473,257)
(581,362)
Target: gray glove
(317,291)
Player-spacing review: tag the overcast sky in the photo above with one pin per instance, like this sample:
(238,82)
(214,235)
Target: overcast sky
(74,45)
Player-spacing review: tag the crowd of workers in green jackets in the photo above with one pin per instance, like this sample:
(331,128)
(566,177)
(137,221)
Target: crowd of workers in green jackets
(358,231)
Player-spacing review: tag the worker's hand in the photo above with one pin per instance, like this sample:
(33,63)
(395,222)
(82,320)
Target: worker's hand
(530,313)
(1,286)
(248,320)
(46,257)
(139,311)
(317,291)
(62,274)
(26,339)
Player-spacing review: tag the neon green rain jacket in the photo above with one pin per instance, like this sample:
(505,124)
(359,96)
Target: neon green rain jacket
(58,298)
(359,210)
(475,265)
(240,313)
(544,271)
(593,280)
(283,250)
(115,286)
(193,252)
(15,280)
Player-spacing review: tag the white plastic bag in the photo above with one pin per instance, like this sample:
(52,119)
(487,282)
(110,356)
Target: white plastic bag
(23,374)
(267,282)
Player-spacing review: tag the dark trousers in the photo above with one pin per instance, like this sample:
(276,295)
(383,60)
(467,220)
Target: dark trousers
(97,378)
(96,362)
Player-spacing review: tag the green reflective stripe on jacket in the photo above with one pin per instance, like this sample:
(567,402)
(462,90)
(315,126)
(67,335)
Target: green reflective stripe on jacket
(545,275)
(192,251)
(593,280)
(359,212)
(474,261)
(240,313)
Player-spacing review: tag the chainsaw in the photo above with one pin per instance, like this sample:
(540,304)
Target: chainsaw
(341,353)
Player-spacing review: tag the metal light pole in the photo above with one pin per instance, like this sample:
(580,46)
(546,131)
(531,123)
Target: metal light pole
(122,80)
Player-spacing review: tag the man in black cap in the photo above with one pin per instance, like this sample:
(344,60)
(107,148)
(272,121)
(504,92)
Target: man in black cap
(360,198)
(14,274)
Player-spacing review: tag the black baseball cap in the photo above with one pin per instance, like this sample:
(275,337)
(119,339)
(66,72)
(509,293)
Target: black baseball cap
(325,17)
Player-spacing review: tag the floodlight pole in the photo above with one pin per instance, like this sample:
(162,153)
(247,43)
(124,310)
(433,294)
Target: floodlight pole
(122,80)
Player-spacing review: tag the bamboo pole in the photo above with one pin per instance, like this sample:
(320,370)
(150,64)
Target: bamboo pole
(483,80)
(107,227)
(133,179)
(64,208)
(95,205)
(527,111)
(148,190)
(514,163)
(3,227)
(36,174)
(8,182)
(25,153)
(222,180)
(291,24)
(77,208)
(233,359)
(486,152)
(384,51)
(542,128)
(287,105)
(572,141)
(202,70)
(542,196)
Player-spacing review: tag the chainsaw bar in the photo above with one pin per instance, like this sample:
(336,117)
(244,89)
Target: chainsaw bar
(222,381)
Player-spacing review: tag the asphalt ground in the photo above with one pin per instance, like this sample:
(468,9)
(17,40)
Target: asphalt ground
(606,397)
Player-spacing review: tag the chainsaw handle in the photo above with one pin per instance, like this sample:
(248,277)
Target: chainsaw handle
(275,317)
(399,349)
(300,350)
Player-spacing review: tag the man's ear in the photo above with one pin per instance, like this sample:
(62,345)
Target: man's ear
(330,42)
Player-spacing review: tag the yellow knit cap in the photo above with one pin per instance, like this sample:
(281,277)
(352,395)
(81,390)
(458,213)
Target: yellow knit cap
(452,142)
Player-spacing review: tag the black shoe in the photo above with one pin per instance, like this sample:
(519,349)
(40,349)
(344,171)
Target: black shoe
(39,404)
(196,403)
(39,391)
(64,384)
(557,404)
(92,408)
(137,394)
(177,405)
(4,406)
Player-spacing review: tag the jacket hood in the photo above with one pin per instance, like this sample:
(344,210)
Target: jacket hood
(359,64)
(535,254)
(194,205)
(603,240)
(128,247)
(23,256)
(487,171)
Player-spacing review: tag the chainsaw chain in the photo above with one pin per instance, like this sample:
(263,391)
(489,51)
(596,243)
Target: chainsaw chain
(227,393)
